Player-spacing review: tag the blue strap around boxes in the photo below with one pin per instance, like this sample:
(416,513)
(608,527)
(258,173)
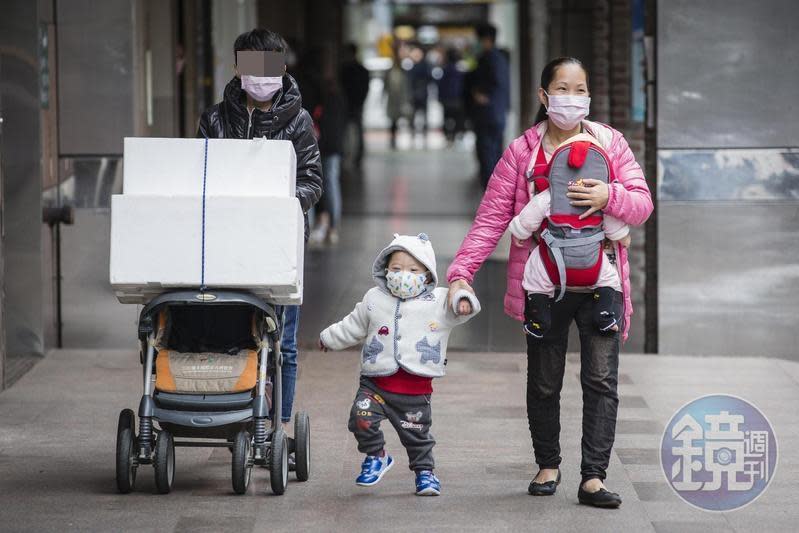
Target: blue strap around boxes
(202,259)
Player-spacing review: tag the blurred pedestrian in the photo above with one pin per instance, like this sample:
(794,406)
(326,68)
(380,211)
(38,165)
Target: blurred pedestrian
(450,94)
(398,96)
(308,73)
(330,116)
(355,84)
(420,76)
(490,93)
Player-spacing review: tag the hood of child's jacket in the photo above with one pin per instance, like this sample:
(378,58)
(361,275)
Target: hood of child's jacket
(419,246)
(286,104)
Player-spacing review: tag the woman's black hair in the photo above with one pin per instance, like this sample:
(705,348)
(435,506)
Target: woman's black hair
(261,40)
(546,78)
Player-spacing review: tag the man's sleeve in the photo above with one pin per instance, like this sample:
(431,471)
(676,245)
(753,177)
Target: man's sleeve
(202,129)
(309,162)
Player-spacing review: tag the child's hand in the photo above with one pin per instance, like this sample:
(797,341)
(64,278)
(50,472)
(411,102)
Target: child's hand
(454,287)
(321,345)
(464,307)
(626,241)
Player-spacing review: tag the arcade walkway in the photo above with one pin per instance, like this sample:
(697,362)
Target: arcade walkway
(58,423)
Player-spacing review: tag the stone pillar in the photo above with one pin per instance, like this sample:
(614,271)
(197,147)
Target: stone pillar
(600,81)
(20,107)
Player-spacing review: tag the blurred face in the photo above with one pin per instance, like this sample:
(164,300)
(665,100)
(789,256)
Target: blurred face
(569,79)
(404,262)
(259,64)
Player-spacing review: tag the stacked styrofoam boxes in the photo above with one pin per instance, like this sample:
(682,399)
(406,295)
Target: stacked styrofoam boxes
(254,229)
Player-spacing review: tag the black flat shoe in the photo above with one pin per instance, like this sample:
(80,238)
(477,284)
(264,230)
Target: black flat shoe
(601,498)
(546,488)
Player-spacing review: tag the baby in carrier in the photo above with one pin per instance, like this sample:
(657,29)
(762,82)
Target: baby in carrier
(572,251)
(404,323)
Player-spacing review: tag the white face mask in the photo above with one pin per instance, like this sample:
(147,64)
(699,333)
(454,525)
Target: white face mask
(567,110)
(404,284)
(261,89)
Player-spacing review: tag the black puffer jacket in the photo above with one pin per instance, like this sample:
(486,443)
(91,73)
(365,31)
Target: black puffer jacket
(285,120)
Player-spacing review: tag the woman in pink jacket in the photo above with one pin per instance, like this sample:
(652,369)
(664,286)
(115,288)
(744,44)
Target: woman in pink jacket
(564,95)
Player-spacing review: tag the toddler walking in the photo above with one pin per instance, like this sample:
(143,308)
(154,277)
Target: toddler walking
(404,323)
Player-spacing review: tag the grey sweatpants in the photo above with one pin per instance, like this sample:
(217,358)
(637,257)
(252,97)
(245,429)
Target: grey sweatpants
(410,415)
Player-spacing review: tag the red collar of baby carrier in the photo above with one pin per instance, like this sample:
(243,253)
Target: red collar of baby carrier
(538,171)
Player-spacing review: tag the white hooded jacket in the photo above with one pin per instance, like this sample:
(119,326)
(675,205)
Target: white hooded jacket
(410,333)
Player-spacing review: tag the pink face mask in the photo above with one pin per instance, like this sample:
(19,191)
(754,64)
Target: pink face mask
(567,110)
(261,89)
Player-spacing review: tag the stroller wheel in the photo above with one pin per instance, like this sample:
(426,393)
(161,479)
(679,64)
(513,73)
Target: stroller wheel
(279,462)
(302,445)
(164,462)
(242,462)
(126,451)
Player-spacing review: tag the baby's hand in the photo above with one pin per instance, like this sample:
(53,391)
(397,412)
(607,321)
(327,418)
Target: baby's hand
(517,241)
(321,345)
(464,307)
(626,241)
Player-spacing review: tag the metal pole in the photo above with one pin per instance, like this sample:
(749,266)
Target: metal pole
(2,271)
(651,319)
(58,314)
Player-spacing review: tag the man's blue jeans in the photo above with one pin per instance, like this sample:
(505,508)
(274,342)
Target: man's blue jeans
(288,348)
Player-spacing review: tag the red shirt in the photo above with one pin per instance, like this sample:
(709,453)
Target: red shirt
(402,382)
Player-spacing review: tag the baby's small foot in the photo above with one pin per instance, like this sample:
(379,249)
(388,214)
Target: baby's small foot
(427,484)
(537,314)
(605,317)
(606,321)
(533,329)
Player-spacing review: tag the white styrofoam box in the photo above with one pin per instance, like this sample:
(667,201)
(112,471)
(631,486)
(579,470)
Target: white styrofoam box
(251,243)
(236,167)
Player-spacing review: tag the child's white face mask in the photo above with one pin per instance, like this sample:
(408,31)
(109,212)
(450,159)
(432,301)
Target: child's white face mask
(405,284)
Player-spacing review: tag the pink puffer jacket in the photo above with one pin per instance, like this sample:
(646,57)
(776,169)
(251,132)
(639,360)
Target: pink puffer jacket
(507,193)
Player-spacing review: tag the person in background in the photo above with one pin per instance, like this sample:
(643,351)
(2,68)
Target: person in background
(490,92)
(355,82)
(308,73)
(450,94)
(398,95)
(271,107)
(420,76)
(330,117)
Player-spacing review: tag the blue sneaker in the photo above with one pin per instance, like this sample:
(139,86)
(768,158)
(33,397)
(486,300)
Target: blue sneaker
(373,468)
(427,484)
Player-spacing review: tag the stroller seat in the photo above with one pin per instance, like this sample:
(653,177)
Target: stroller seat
(207,372)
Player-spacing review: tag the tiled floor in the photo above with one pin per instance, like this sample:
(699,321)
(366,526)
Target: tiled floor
(57,435)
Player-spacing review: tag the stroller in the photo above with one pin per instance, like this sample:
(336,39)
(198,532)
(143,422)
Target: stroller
(212,378)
